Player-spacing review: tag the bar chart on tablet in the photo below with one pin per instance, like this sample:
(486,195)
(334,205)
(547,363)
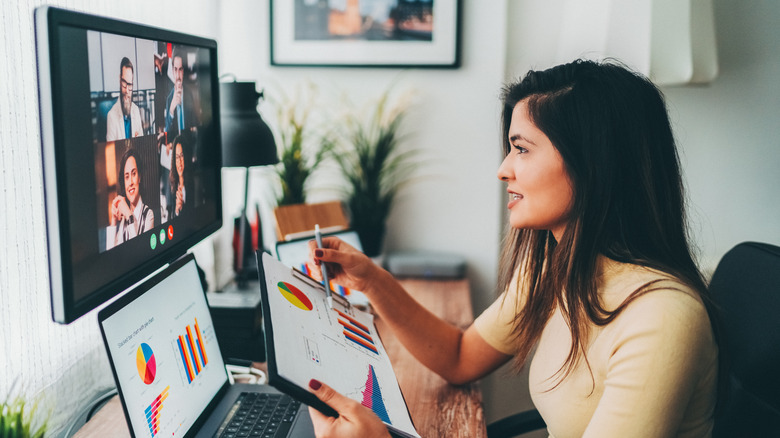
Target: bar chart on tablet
(372,396)
(356,333)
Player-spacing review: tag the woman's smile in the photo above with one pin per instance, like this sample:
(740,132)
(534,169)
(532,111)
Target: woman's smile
(514,198)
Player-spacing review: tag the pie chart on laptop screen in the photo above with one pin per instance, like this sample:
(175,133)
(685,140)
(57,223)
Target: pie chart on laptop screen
(294,296)
(146,363)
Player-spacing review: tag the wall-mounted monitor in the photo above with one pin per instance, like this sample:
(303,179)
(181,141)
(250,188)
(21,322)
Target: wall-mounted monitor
(131,152)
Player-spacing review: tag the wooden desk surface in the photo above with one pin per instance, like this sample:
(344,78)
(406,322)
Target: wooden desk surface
(437,408)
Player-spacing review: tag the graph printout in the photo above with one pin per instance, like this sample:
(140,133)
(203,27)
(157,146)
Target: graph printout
(372,396)
(338,346)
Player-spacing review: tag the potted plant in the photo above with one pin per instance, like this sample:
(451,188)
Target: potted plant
(301,151)
(20,418)
(375,168)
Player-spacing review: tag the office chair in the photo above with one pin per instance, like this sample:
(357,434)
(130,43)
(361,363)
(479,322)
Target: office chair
(103,107)
(516,424)
(746,290)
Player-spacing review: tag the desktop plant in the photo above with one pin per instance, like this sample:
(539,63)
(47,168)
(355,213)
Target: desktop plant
(375,168)
(20,418)
(302,149)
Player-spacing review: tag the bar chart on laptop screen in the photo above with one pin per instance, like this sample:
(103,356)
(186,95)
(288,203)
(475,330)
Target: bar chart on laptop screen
(190,347)
(152,412)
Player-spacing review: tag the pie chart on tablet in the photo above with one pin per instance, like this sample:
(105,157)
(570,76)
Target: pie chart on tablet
(294,296)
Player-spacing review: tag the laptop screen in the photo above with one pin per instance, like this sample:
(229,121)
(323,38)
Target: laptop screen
(163,352)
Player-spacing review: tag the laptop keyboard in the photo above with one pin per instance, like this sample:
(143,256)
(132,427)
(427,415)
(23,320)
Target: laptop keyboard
(259,415)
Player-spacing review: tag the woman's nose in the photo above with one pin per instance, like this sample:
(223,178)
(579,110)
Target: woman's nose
(504,170)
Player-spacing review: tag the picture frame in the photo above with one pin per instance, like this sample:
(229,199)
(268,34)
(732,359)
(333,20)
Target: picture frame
(379,33)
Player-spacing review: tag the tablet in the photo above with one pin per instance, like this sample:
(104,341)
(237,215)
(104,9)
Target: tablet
(296,251)
(305,339)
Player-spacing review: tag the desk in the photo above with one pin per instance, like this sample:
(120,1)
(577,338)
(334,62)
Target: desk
(437,408)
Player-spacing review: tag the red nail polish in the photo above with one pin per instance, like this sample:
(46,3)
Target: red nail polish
(318,253)
(315,384)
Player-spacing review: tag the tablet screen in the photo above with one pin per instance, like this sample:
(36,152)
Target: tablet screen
(306,339)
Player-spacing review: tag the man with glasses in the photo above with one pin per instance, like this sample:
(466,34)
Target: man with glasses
(124,118)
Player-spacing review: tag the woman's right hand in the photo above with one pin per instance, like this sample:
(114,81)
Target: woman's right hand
(119,209)
(176,100)
(346,265)
(179,199)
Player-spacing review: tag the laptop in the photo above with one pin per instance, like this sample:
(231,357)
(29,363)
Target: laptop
(169,371)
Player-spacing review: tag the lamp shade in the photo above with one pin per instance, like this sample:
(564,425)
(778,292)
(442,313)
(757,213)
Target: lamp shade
(671,41)
(246,140)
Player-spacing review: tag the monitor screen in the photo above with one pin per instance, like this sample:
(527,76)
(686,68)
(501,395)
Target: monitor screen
(130,148)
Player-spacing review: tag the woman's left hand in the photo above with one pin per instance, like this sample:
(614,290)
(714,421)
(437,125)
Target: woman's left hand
(355,420)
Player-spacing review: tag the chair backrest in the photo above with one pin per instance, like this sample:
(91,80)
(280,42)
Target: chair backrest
(103,107)
(746,290)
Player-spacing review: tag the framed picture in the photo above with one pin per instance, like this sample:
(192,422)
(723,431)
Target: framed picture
(365,33)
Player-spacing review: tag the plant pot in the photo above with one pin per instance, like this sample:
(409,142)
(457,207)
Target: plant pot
(371,238)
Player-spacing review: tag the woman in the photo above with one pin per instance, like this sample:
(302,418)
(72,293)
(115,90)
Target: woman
(179,174)
(129,214)
(596,271)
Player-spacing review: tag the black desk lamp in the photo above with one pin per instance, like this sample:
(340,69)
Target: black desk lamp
(246,141)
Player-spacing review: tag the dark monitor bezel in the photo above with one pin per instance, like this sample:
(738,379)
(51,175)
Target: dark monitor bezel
(65,308)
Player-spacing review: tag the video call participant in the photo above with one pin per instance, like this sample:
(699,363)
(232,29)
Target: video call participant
(179,176)
(601,294)
(165,151)
(180,110)
(162,85)
(124,118)
(128,212)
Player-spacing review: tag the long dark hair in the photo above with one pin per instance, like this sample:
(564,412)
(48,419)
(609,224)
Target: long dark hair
(173,177)
(611,127)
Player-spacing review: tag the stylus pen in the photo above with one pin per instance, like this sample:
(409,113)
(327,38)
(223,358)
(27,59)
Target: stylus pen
(325,282)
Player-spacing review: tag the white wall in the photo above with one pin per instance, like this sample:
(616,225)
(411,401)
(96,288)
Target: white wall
(66,365)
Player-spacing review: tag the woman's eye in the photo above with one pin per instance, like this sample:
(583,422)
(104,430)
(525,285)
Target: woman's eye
(520,149)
